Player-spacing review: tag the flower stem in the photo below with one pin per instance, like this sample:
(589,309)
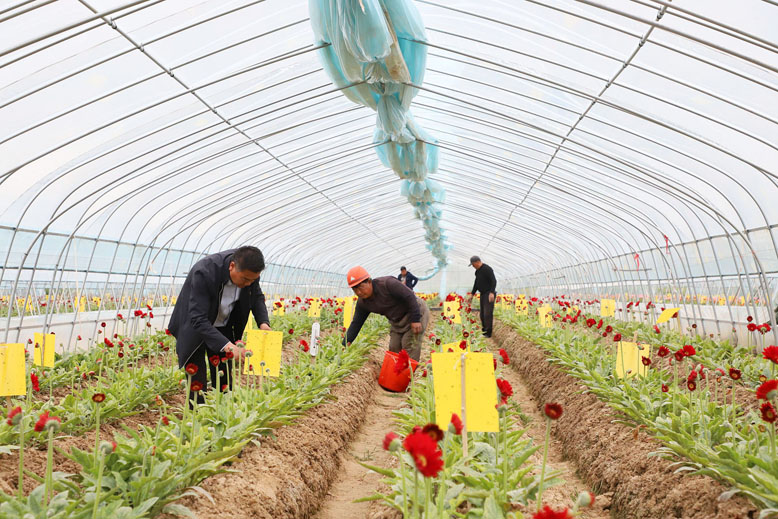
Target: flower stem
(99,486)
(415,493)
(21,457)
(405,491)
(184,411)
(97,429)
(49,466)
(427,496)
(543,468)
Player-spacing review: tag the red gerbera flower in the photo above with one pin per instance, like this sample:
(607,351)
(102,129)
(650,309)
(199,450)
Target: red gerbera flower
(771,353)
(402,363)
(505,388)
(599,324)
(751,327)
(165,420)
(691,384)
(196,386)
(465,334)
(98,397)
(679,355)
(47,422)
(35,383)
(214,360)
(617,337)
(462,345)
(304,345)
(663,351)
(456,422)
(549,513)
(646,361)
(688,350)
(768,390)
(191,368)
(553,411)
(14,416)
(734,374)
(425,453)
(434,431)
(656,329)
(768,412)
(228,355)
(389,439)
(504,356)
(665,389)
(608,329)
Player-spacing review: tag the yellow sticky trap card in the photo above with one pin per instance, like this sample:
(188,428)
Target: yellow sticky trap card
(265,347)
(667,315)
(13,378)
(545,316)
(629,359)
(480,390)
(607,308)
(348,311)
(250,323)
(522,308)
(44,344)
(279,310)
(314,310)
(451,310)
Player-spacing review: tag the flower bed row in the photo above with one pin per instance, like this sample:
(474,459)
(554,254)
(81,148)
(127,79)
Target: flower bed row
(692,426)
(176,452)
(432,476)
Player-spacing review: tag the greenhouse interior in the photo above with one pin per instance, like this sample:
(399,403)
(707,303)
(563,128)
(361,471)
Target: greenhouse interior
(389,259)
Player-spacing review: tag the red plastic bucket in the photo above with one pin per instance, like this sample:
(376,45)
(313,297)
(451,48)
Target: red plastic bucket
(390,380)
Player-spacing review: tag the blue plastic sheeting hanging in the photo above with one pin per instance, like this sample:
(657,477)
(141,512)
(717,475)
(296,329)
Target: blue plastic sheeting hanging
(374,57)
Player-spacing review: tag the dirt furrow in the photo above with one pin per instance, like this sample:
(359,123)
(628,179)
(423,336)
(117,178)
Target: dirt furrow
(612,457)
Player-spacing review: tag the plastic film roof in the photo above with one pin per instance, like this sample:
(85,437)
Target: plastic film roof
(568,132)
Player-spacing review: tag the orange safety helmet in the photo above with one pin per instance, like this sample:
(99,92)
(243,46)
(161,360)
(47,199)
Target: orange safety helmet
(356,275)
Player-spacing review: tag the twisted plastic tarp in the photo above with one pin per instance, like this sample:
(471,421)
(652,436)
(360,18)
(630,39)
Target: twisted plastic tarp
(376,69)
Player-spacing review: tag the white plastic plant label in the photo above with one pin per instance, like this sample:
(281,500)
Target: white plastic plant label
(315,339)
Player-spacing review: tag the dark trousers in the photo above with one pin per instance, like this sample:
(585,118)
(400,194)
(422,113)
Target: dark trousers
(487,314)
(201,359)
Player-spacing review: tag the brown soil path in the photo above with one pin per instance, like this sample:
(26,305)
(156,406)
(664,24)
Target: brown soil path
(353,480)
(562,495)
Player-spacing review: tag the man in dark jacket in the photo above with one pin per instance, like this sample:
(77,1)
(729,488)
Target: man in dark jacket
(486,284)
(408,315)
(213,309)
(406,277)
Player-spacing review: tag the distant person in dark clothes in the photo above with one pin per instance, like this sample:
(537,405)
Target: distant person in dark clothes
(406,277)
(486,284)
(408,315)
(212,311)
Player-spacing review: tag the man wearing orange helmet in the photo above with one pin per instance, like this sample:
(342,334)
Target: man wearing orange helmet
(408,315)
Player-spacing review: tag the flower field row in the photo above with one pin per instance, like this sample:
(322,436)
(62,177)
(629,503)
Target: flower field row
(685,408)
(143,472)
(435,477)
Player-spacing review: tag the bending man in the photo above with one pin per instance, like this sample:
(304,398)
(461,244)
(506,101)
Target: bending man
(408,315)
(213,309)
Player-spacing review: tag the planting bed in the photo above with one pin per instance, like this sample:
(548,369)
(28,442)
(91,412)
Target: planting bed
(289,475)
(612,457)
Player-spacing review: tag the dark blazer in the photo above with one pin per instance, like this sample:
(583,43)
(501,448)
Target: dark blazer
(410,279)
(198,306)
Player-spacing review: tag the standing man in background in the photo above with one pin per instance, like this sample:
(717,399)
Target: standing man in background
(212,311)
(407,278)
(486,284)
(408,315)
